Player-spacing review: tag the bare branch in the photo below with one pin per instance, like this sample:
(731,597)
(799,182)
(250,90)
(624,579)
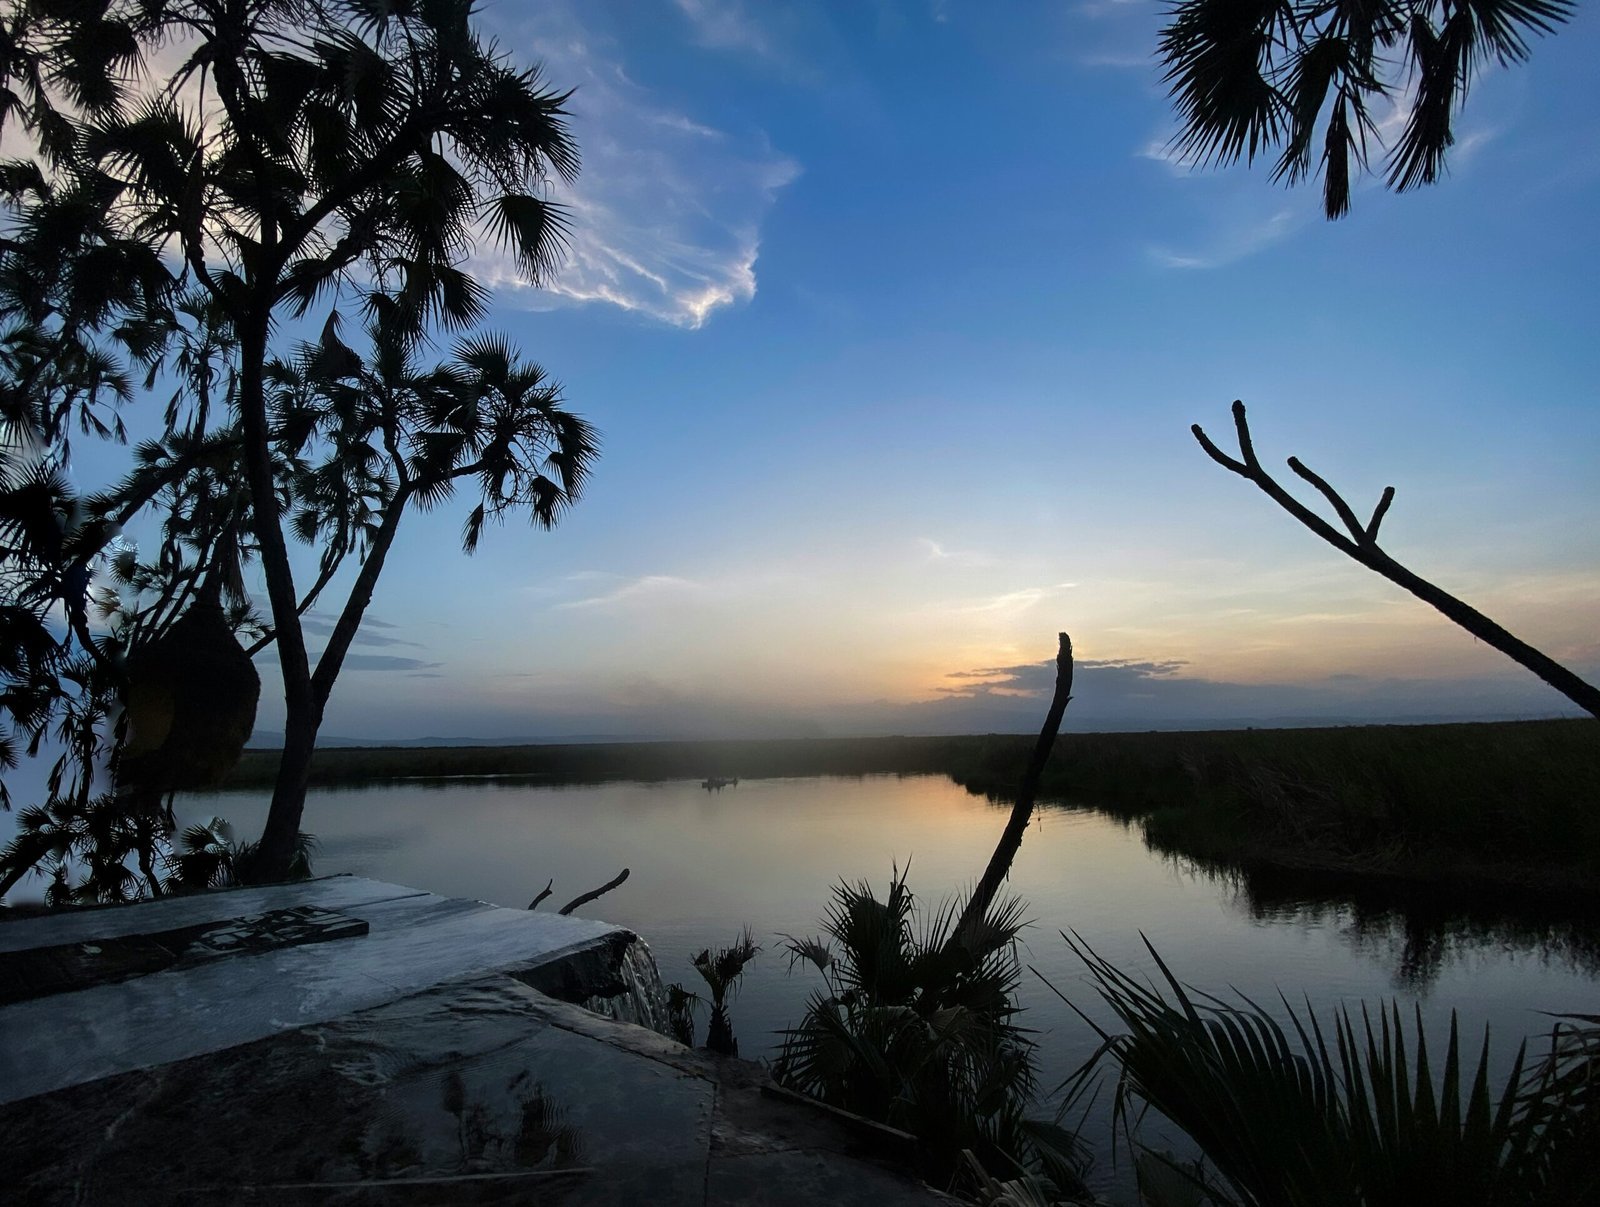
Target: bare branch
(1216,454)
(1246,448)
(543,893)
(1251,469)
(585,898)
(1364,549)
(1378,512)
(1346,513)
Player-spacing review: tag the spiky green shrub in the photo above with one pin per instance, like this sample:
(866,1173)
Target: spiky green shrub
(915,1026)
(1290,1118)
(209,857)
(722,969)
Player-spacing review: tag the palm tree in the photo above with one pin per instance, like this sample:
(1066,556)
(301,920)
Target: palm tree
(722,970)
(369,436)
(1271,75)
(915,1027)
(340,145)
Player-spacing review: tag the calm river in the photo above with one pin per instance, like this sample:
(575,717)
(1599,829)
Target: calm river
(765,852)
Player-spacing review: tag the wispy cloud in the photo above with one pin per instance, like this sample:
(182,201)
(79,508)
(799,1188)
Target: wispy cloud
(1005,603)
(1109,8)
(1232,243)
(385,662)
(630,590)
(1037,679)
(725,25)
(1123,693)
(666,215)
(322,626)
(1165,151)
(1120,59)
(937,552)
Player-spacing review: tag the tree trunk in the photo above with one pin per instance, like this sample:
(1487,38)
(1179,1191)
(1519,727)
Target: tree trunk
(1005,850)
(277,846)
(302,711)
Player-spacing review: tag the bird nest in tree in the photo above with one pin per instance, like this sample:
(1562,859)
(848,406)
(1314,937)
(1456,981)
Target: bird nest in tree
(191,704)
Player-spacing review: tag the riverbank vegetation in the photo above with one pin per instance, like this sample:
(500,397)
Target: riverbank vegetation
(1286,1114)
(916,1025)
(1504,804)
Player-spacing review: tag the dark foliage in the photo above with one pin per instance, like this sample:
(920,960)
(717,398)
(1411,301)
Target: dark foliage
(1313,82)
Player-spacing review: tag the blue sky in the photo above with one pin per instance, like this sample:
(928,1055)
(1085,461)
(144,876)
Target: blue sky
(894,317)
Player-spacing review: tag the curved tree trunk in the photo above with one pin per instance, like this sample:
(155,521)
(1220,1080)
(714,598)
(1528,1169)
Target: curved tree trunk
(1005,850)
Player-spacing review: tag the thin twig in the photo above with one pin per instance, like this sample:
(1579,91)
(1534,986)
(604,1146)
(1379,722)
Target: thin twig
(543,893)
(1378,512)
(1346,513)
(593,893)
(1362,546)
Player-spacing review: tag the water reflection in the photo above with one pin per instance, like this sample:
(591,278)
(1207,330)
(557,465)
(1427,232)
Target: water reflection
(767,853)
(1419,931)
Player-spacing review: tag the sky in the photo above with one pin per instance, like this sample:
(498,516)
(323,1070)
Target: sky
(894,317)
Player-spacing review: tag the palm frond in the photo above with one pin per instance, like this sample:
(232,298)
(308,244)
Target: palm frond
(1285,1116)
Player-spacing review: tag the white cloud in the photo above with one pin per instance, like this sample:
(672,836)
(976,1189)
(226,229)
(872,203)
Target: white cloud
(937,552)
(1140,60)
(1005,603)
(631,590)
(1166,152)
(1232,243)
(1108,8)
(724,25)
(666,215)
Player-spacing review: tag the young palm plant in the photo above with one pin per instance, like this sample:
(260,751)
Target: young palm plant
(208,856)
(1288,1117)
(723,970)
(914,1027)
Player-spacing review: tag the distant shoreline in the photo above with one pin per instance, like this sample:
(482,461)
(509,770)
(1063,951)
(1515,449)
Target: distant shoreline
(1470,807)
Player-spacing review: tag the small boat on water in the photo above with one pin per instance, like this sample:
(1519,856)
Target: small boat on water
(717,783)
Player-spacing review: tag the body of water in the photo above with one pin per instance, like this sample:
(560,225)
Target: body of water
(764,853)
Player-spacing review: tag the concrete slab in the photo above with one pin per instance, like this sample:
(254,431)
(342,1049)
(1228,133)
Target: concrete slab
(415,940)
(414,1064)
(467,1084)
(111,921)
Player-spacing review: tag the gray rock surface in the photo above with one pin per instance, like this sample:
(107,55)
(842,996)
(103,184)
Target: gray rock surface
(413,1064)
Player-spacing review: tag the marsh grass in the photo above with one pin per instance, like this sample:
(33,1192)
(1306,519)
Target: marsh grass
(1511,804)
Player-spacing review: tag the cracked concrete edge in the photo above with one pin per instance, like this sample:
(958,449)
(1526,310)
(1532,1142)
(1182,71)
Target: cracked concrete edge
(746,1101)
(640,1041)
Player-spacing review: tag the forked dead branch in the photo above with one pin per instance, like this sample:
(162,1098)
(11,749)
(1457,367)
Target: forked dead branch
(1360,542)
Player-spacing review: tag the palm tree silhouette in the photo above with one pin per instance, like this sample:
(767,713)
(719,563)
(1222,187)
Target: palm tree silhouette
(360,146)
(1250,79)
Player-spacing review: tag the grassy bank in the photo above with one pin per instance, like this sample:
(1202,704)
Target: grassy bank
(600,762)
(1512,803)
